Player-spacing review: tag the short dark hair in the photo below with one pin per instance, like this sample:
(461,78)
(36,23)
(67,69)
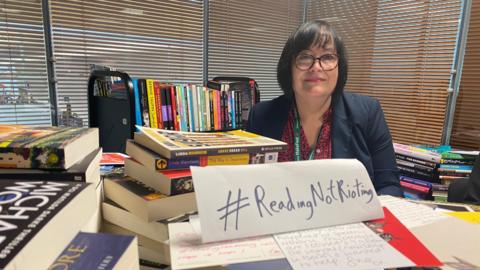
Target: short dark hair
(316,32)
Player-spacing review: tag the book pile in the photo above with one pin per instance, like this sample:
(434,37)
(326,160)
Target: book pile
(46,153)
(51,189)
(454,165)
(418,170)
(157,187)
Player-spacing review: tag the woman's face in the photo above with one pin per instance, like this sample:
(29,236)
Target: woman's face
(314,82)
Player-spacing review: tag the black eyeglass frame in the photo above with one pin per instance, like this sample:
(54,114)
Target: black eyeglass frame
(315,60)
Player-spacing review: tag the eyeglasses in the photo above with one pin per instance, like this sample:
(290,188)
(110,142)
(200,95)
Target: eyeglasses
(306,61)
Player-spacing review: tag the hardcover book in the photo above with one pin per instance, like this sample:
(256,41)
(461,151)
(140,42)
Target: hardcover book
(99,251)
(174,144)
(45,147)
(38,219)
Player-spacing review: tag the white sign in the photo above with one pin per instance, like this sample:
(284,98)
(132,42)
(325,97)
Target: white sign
(187,250)
(249,200)
(344,247)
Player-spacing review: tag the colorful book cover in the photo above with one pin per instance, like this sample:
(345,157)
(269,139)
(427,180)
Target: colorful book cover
(399,237)
(113,158)
(95,251)
(416,152)
(44,147)
(171,144)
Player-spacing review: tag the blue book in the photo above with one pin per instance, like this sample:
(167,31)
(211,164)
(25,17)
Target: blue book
(138,108)
(98,251)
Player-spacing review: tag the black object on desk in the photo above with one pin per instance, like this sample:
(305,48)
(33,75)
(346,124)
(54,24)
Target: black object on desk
(111,110)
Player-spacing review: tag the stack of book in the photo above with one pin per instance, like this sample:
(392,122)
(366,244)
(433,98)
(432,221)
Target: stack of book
(46,153)
(157,187)
(454,165)
(51,190)
(418,170)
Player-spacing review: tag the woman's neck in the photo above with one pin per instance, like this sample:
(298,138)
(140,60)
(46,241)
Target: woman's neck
(312,110)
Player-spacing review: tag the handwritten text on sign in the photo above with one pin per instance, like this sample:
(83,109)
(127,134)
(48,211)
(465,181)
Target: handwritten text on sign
(242,201)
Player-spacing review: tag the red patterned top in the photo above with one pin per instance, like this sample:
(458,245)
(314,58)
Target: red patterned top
(324,145)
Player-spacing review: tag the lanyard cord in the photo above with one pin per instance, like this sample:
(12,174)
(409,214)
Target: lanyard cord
(297,155)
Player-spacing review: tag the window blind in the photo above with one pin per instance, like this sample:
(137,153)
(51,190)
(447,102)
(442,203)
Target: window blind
(400,52)
(466,123)
(246,39)
(158,39)
(24,97)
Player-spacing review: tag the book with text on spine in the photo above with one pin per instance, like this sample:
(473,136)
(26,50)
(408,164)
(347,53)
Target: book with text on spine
(172,144)
(156,162)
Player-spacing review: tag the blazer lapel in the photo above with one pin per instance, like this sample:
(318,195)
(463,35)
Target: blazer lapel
(341,130)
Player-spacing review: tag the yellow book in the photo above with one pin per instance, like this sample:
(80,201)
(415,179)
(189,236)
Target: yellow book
(152,107)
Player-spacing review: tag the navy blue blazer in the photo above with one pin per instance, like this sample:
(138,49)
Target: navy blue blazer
(359,130)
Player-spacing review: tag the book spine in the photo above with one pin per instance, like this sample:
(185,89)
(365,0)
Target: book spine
(158,104)
(415,181)
(415,160)
(138,108)
(142,84)
(416,153)
(165,114)
(206,95)
(228,151)
(457,161)
(191,117)
(415,166)
(175,117)
(414,187)
(414,172)
(456,167)
(152,111)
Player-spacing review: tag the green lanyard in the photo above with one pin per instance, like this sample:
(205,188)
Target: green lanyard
(297,154)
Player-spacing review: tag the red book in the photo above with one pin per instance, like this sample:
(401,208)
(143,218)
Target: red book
(158,104)
(411,186)
(174,108)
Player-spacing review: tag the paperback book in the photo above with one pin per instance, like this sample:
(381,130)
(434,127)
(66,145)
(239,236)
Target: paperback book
(86,170)
(45,147)
(99,251)
(145,202)
(156,162)
(174,144)
(41,214)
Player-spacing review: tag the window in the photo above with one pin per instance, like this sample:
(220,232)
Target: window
(466,123)
(24,95)
(161,40)
(246,38)
(400,52)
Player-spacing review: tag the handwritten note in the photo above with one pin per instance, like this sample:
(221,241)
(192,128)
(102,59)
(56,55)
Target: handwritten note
(187,250)
(411,214)
(264,199)
(352,246)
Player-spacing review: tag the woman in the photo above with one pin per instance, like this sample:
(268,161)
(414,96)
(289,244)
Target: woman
(317,118)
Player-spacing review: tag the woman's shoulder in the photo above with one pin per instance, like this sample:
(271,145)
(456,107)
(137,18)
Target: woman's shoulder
(360,103)
(269,106)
